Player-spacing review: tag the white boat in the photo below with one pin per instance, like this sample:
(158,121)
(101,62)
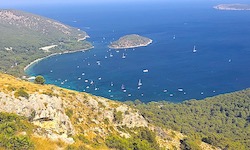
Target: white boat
(180,90)
(92,82)
(98,63)
(194,49)
(145,70)
(139,82)
(123,55)
(123,87)
(110,55)
(174,37)
(111,84)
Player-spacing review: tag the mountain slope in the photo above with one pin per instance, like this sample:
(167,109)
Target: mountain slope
(26,37)
(80,119)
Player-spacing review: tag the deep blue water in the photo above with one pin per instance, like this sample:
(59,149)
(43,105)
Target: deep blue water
(220,65)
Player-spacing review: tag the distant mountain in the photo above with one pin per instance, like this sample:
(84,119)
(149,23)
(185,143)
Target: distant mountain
(233,7)
(26,37)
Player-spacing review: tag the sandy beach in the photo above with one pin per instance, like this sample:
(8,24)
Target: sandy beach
(66,52)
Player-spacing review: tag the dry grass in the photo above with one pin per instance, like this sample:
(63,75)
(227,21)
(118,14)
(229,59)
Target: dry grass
(42,144)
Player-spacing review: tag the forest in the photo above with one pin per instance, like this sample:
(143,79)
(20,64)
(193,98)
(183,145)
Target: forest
(222,121)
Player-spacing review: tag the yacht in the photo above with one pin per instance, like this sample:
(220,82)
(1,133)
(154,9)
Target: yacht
(123,56)
(139,83)
(194,49)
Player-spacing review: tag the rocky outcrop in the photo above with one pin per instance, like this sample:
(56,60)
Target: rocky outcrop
(44,111)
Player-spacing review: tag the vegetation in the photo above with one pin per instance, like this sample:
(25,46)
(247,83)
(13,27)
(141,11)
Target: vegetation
(39,80)
(21,93)
(143,140)
(22,39)
(223,121)
(11,126)
(130,41)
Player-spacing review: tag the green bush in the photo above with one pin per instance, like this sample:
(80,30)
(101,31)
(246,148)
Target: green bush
(69,112)
(39,80)
(21,93)
(141,139)
(10,126)
(118,116)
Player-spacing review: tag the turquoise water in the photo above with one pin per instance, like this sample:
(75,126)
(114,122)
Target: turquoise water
(175,72)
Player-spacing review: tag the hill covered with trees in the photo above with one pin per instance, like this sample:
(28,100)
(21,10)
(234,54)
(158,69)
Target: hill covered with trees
(222,121)
(26,37)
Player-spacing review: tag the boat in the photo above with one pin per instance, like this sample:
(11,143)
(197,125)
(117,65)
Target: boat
(98,63)
(174,37)
(123,87)
(194,49)
(92,82)
(111,84)
(145,70)
(110,55)
(123,55)
(180,90)
(139,83)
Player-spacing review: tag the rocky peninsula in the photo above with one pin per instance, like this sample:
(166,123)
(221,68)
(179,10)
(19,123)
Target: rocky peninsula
(232,7)
(130,41)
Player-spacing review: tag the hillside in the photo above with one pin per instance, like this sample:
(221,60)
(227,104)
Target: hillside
(26,37)
(70,119)
(223,121)
(130,41)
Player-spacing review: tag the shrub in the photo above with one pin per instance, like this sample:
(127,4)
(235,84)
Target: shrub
(21,93)
(69,112)
(118,116)
(39,80)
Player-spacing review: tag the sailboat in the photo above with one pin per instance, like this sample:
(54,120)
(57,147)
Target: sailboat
(123,55)
(110,55)
(139,83)
(123,87)
(194,49)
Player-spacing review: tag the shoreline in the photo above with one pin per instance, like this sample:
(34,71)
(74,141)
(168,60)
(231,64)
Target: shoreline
(143,45)
(54,54)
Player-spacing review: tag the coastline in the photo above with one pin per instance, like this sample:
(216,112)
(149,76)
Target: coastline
(127,47)
(54,54)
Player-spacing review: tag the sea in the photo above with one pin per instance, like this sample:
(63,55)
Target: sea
(169,69)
